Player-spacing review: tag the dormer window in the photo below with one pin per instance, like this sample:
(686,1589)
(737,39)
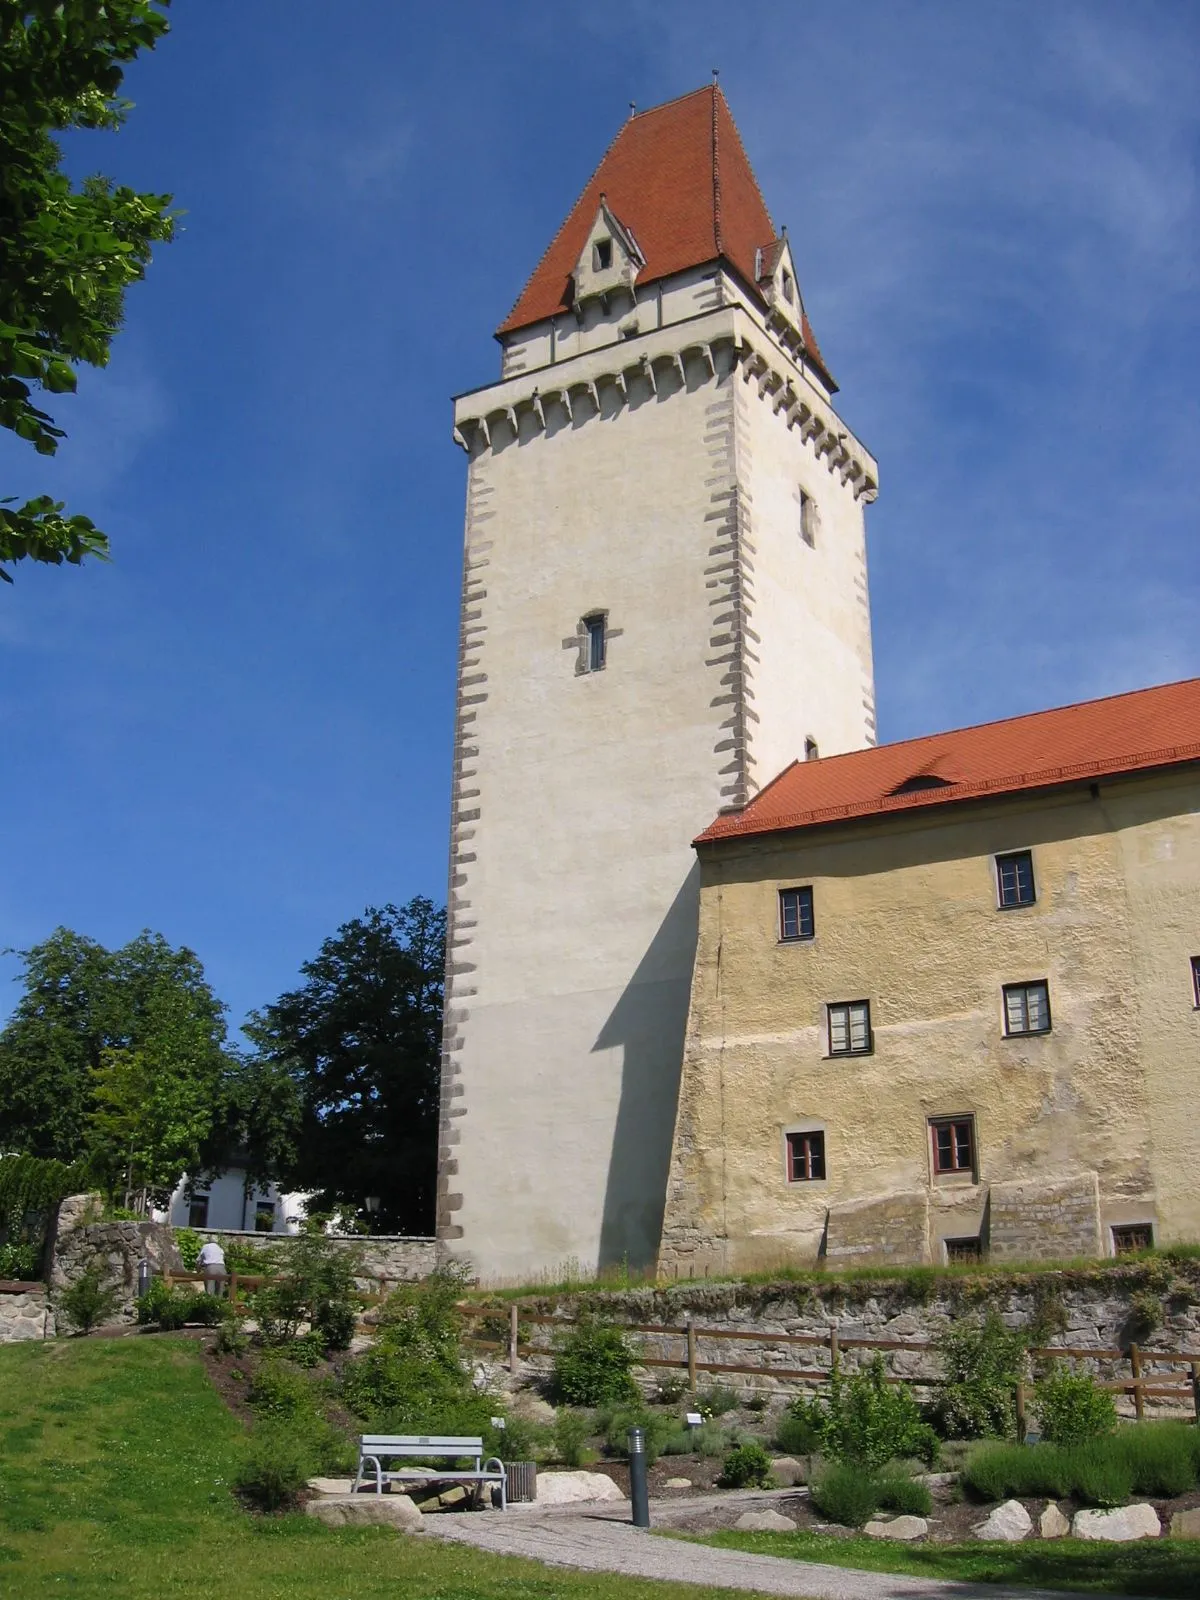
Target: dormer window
(602,255)
(811,753)
(788,291)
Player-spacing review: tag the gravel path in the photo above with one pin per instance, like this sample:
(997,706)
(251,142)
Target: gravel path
(598,1542)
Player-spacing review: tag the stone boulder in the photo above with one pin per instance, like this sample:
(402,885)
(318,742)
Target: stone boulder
(24,1312)
(366,1510)
(1009,1522)
(765,1522)
(788,1470)
(1052,1524)
(905,1528)
(678,1483)
(530,1406)
(575,1488)
(331,1485)
(1119,1526)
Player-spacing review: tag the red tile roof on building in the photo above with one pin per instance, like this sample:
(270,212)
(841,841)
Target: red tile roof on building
(1133,732)
(677,176)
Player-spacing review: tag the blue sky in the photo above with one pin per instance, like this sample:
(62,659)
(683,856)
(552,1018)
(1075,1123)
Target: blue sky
(239,732)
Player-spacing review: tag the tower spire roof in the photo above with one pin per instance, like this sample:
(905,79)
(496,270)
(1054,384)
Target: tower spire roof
(678,178)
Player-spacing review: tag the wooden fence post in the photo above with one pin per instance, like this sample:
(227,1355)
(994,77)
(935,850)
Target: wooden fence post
(233,1288)
(514,1319)
(691,1355)
(1020,1413)
(1135,1362)
(1196,1389)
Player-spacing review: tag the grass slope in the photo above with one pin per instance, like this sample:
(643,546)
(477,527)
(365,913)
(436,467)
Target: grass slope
(115,1462)
(1166,1568)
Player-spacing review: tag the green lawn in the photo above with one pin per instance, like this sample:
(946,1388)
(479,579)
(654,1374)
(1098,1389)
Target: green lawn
(1168,1568)
(115,1460)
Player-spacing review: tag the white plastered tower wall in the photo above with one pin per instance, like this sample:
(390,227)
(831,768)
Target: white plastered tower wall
(642,462)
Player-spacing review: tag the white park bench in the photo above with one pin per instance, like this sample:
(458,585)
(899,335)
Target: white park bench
(376,1448)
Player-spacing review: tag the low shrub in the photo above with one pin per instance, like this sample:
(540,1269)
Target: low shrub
(1099,1476)
(710,1439)
(868,1421)
(1163,1457)
(747,1466)
(274,1468)
(982,1361)
(523,1440)
(85,1304)
(571,1432)
(593,1365)
(669,1391)
(278,1391)
(1072,1408)
(797,1433)
(1013,1471)
(654,1426)
(906,1496)
(846,1493)
(758,1401)
(716,1400)
(308,1350)
(230,1340)
(314,1284)
(172,1308)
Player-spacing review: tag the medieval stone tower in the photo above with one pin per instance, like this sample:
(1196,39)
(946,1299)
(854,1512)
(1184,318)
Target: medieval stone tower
(664,603)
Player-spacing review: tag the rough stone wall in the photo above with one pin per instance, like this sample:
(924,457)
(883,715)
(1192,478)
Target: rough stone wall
(1073,1310)
(878,1232)
(1031,1221)
(24,1312)
(386,1258)
(116,1247)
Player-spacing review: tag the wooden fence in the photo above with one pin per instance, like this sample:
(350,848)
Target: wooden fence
(1141,1385)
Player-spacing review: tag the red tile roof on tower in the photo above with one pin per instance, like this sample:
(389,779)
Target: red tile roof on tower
(1097,739)
(678,177)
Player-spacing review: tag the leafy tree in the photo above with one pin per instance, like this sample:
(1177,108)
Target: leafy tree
(361,1041)
(114,1055)
(67,253)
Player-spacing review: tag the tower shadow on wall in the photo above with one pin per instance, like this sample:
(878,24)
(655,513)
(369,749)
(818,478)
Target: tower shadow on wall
(648,1023)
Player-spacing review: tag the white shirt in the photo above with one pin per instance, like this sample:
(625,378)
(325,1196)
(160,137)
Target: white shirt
(211,1255)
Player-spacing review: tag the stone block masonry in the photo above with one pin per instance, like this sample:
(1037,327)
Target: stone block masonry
(1044,1221)
(24,1312)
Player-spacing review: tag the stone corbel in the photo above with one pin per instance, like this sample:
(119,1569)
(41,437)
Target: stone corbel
(784,397)
(798,414)
(755,365)
(813,427)
(535,405)
(617,379)
(866,489)
(851,470)
(769,381)
(646,368)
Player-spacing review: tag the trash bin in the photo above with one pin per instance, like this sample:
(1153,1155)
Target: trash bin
(522,1480)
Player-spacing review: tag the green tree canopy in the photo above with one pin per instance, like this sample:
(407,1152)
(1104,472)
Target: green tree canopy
(361,1041)
(67,253)
(118,1056)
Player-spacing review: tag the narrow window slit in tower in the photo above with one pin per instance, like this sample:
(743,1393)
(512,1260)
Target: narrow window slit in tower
(596,641)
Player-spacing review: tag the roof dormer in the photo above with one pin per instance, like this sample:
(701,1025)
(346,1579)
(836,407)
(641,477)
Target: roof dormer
(778,283)
(609,262)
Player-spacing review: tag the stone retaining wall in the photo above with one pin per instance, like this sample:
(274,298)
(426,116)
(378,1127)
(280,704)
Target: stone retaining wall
(1100,1311)
(391,1258)
(24,1312)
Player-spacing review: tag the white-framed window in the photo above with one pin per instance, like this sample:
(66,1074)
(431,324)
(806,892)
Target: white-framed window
(1026,1008)
(850,1028)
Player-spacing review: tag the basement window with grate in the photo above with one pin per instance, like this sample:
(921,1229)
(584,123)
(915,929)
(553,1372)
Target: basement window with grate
(1132,1236)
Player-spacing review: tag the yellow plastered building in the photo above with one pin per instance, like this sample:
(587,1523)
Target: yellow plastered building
(945,1000)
